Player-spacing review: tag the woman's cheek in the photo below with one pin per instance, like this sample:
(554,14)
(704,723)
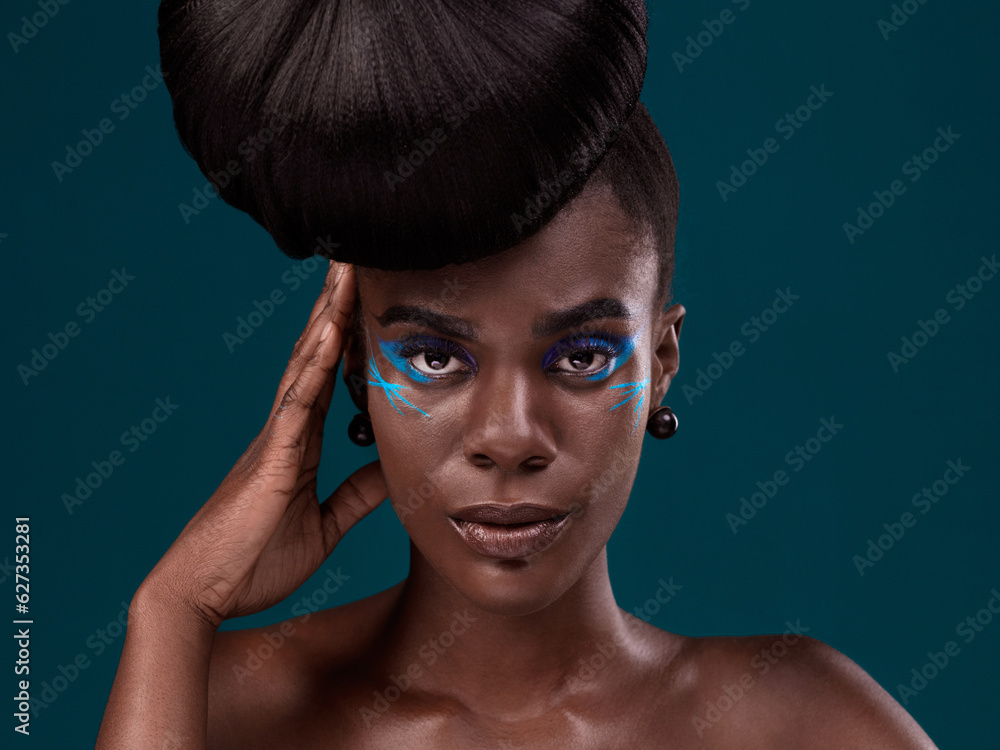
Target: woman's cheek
(631,396)
(411,492)
(396,393)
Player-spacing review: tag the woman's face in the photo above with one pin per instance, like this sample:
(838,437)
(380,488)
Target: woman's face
(523,378)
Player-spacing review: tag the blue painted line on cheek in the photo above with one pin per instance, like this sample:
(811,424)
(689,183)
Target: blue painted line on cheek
(635,388)
(391,390)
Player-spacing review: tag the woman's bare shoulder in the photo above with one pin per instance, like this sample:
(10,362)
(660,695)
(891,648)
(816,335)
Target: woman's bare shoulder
(785,690)
(262,679)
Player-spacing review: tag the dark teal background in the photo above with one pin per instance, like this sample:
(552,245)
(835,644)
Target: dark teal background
(825,357)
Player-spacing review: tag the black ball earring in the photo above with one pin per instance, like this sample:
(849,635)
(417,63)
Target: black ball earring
(662,423)
(360,431)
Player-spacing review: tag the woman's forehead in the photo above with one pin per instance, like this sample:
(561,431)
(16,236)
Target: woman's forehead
(476,312)
(590,248)
(620,284)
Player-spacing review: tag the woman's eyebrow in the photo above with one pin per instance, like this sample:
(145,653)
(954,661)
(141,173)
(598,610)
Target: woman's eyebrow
(548,325)
(447,325)
(576,316)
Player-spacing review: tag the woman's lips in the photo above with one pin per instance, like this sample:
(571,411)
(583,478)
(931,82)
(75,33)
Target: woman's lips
(509,532)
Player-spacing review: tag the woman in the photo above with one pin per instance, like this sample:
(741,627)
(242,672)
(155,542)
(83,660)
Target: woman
(502,212)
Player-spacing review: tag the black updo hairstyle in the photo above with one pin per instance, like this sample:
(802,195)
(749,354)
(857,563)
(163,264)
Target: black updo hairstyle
(410,134)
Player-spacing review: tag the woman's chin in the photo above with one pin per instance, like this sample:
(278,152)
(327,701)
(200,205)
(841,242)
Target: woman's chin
(513,588)
(498,579)
(514,604)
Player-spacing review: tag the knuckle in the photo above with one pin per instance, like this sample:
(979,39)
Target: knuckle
(353,498)
(281,453)
(292,396)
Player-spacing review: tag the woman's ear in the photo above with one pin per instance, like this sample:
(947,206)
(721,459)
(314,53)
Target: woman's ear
(354,361)
(666,353)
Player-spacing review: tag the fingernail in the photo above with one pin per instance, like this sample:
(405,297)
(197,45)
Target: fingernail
(326,331)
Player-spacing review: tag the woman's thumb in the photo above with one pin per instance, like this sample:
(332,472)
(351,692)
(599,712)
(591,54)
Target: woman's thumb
(355,498)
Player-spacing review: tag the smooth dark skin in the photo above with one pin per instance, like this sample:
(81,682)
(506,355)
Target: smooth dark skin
(513,677)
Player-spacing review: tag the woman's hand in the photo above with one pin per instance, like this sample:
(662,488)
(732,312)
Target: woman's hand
(263,532)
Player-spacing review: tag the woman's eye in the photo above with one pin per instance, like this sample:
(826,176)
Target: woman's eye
(585,362)
(428,357)
(588,355)
(436,363)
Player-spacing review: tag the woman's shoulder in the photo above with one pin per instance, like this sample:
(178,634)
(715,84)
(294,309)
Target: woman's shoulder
(783,690)
(330,636)
(266,677)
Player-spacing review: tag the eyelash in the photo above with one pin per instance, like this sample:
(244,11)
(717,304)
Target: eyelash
(610,345)
(411,346)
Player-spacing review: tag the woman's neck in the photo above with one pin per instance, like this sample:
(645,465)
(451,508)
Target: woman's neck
(498,664)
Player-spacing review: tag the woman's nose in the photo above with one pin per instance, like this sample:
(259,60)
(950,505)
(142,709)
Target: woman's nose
(510,424)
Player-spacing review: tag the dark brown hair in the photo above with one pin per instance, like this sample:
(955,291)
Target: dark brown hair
(413,134)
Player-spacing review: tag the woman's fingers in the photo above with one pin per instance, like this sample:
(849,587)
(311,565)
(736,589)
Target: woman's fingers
(289,427)
(329,305)
(239,551)
(355,498)
(314,438)
(280,468)
(275,471)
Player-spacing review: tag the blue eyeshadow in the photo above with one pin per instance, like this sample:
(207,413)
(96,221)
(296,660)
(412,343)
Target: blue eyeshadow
(391,390)
(392,351)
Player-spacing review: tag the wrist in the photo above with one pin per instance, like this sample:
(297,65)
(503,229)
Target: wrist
(157,606)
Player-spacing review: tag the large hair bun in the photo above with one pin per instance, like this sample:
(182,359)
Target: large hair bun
(411,133)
